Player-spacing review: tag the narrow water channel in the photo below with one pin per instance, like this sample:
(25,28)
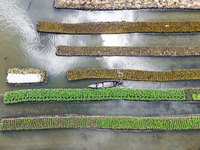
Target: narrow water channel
(23,46)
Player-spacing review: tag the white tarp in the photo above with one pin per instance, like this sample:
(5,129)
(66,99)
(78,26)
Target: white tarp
(23,78)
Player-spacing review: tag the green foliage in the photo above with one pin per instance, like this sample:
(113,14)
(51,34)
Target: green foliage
(39,95)
(105,122)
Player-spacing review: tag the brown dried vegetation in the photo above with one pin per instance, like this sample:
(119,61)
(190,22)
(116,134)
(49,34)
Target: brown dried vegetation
(127,51)
(137,75)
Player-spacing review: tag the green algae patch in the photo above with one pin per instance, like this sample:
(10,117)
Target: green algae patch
(191,122)
(126,4)
(137,75)
(119,27)
(192,94)
(46,95)
(27,71)
(128,51)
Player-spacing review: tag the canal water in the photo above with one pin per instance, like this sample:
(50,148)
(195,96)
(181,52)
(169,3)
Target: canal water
(22,46)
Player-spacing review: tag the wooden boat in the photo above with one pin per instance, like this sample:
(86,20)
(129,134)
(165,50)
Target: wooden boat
(106,84)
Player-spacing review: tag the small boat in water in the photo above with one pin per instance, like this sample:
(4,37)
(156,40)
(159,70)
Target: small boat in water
(106,84)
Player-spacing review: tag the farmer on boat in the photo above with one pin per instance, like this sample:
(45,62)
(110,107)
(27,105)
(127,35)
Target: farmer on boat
(120,81)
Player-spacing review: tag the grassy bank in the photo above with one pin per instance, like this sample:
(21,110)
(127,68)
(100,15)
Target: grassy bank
(128,51)
(137,75)
(119,27)
(126,4)
(45,95)
(42,72)
(102,122)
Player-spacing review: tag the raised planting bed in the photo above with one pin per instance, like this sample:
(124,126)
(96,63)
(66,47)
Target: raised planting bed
(137,75)
(102,122)
(127,4)
(119,27)
(21,76)
(128,51)
(45,95)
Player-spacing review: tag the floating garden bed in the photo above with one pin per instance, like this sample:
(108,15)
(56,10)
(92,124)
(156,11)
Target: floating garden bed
(127,51)
(21,76)
(127,4)
(119,27)
(45,95)
(102,122)
(137,75)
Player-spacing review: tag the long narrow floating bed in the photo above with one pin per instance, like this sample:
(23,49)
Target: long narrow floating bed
(82,95)
(137,75)
(190,122)
(119,27)
(21,76)
(126,4)
(128,51)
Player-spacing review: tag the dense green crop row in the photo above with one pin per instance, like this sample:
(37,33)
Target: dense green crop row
(137,75)
(119,27)
(32,95)
(128,51)
(105,122)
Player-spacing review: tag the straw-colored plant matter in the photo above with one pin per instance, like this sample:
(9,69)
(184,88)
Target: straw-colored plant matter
(119,27)
(127,4)
(137,75)
(128,51)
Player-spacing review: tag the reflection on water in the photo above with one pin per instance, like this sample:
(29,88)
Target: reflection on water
(25,47)
(100,139)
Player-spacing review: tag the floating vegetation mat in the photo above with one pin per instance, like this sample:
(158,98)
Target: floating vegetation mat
(128,51)
(28,71)
(102,122)
(127,4)
(119,27)
(45,95)
(137,75)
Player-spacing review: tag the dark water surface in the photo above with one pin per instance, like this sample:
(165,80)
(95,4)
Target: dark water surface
(25,47)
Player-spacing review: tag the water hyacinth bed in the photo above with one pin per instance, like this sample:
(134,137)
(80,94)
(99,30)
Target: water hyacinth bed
(45,95)
(127,4)
(101,122)
(128,51)
(119,27)
(137,75)
(27,71)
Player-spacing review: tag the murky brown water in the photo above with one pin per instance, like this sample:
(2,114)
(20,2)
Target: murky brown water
(24,47)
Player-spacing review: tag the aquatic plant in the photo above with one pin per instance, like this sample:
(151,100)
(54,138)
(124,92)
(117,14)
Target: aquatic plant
(103,122)
(137,75)
(119,27)
(44,95)
(128,51)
